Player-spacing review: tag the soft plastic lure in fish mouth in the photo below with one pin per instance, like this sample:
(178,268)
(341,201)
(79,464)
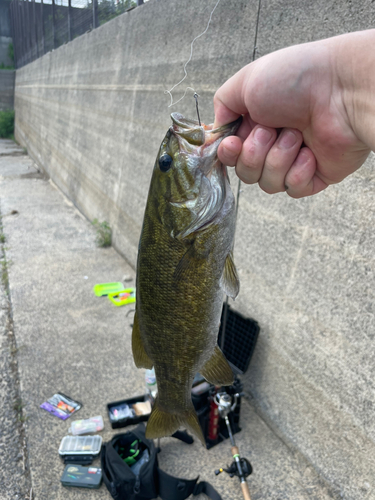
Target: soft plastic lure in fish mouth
(199,135)
(193,149)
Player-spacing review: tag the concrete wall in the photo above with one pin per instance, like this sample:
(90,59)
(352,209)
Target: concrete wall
(7,79)
(93,114)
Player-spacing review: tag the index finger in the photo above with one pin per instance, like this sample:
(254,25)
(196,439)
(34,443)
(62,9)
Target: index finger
(229,101)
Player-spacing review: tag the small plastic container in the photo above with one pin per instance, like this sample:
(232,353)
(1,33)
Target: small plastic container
(87,426)
(107,288)
(80,445)
(151,384)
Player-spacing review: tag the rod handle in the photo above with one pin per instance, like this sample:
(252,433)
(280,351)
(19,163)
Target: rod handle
(235,451)
(245,490)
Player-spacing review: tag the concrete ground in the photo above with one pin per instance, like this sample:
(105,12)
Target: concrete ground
(56,335)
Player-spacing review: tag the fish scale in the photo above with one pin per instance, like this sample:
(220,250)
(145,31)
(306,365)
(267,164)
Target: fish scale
(184,266)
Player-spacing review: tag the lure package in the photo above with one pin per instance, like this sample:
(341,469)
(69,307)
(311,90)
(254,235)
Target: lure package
(61,406)
(93,424)
(82,477)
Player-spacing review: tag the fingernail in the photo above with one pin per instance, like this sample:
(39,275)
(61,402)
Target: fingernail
(288,139)
(262,136)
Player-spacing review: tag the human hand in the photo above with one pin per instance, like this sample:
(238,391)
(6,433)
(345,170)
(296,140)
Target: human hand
(297,133)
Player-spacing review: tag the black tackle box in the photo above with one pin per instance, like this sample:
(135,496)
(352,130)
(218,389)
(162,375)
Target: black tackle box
(118,415)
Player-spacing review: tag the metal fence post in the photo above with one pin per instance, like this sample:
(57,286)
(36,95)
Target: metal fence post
(24,30)
(31,28)
(14,35)
(36,52)
(43,50)
(27,29)
(53,24)
(69,20)
(19,31)
(95,21)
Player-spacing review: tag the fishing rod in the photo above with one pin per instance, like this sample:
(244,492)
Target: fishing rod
(241,467)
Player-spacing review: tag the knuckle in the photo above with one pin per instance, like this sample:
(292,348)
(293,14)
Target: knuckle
(251,167)
(250,157)
(294,180)
(275,165)
(246,174)
(217,99)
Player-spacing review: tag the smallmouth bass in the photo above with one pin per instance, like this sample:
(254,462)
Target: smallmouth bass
(184,266)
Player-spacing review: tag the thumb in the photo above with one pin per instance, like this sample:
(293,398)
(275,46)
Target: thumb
(229,101)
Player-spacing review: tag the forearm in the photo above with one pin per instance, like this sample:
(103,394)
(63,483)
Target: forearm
(354,58)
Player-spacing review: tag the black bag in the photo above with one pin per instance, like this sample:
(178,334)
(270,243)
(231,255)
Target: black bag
(151,482)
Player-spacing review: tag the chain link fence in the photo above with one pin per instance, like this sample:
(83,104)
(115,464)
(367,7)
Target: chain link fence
(39,26)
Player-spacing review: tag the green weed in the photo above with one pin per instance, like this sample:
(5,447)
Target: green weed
(7,124)
(18,405)
(4,274)
(2,66)
(11,52)
(103,233)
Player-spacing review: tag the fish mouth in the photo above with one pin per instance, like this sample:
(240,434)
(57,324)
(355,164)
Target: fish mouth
(196,134)
(199,143)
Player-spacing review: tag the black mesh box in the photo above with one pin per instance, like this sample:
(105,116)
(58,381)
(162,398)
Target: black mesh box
(240,338)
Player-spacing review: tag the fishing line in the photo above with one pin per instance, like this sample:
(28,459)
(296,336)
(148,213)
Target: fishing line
(187,62)
(196,105)
(239,190)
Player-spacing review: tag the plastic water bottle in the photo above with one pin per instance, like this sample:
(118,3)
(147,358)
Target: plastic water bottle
(151,385)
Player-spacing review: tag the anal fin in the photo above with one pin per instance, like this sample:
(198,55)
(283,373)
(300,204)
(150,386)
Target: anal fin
(163,423)
(217,370)
(141,359)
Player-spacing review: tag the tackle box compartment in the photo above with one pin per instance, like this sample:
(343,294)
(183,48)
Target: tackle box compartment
(118,423)
(202,405)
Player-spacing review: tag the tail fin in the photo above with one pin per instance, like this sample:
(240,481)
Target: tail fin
(191,422)
(162,423)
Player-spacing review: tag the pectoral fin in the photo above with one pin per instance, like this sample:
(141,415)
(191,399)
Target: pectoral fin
(186,264)
(141,359)
(217,370)
(229,281)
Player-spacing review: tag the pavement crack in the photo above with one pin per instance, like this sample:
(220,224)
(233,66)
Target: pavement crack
(15,480)
(14,153)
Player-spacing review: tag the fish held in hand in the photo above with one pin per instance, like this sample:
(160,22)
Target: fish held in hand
(184,266)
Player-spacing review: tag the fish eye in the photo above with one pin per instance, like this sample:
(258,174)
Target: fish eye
(165,162)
